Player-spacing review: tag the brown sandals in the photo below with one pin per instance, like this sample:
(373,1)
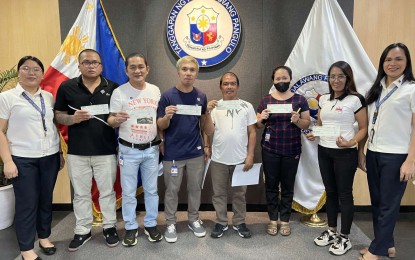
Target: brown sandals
(272,229)
(285,229)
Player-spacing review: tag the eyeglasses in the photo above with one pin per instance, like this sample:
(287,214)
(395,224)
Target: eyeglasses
(233,84)
(93,64)
(338,77)
(35,70)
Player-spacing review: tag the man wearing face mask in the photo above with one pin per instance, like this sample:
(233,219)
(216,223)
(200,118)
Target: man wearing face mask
(282,114)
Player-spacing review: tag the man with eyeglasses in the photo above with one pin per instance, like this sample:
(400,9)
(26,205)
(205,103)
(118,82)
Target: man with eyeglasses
(232,142)
(91,146)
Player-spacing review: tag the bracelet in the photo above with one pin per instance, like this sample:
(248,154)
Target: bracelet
(206,146)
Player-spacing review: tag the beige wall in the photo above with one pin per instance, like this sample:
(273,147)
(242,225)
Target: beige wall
(32,27)
(378,24)
(29,27)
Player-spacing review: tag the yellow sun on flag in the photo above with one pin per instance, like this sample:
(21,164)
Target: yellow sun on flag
(203,23)
(73,44)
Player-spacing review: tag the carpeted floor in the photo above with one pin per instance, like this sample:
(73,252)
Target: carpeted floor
(260,246)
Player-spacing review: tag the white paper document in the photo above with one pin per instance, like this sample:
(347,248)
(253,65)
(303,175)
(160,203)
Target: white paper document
(326,131)
(280,108)
(204,174)
(241,178)
(228,104)
(191,110)
(96,109)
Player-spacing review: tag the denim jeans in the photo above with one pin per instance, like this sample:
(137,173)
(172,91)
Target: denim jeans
(131,160)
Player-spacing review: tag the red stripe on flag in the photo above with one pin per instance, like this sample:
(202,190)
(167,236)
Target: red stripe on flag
(52,80)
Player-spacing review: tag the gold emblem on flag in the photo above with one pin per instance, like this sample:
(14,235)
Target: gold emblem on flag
(73,44)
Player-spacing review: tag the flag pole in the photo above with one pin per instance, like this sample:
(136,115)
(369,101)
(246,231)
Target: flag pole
(313,220)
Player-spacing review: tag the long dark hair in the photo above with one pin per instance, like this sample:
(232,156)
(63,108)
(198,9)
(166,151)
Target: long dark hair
(376,89)
(350,86)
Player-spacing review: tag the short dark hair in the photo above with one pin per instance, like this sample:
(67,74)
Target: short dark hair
(230,73)
(376,89)
(88,50)
(290,72)
(135,54)
(32,58)
(350,85)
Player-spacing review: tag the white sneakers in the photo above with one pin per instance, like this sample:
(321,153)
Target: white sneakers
(339,243)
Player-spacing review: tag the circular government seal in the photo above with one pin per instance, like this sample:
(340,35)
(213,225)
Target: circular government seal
(208,30)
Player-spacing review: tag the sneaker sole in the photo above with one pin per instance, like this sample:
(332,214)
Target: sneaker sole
(170,240)
(197,234)
(112,245)
(333,253)
(133,244)
(329,243)
(219,236)
(149,237)
(76,249)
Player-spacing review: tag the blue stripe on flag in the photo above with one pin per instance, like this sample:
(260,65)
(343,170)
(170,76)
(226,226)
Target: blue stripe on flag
(112,59)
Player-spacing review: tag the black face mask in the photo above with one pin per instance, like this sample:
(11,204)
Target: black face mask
(282,86)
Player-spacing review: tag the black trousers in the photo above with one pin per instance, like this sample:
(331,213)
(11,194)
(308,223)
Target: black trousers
(33,190)
(279,170)
(386,192)
(337,168)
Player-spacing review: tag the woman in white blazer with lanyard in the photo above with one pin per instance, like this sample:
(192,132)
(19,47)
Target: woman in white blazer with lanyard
(390,153)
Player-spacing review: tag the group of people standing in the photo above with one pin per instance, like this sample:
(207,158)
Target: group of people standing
(187,130)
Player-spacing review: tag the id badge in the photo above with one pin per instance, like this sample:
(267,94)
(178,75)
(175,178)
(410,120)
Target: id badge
(121,161)
(44,144)
(267,135)
(174,171)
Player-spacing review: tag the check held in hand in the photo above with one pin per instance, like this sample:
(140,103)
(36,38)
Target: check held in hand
(326,131)
(191,110)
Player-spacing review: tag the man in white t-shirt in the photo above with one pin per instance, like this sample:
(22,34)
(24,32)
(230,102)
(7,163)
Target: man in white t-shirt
(233,142)
(133,109)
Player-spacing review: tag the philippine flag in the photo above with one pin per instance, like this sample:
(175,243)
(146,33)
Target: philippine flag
(91,30)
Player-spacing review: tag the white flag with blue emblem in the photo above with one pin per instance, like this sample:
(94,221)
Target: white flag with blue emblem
(327,37)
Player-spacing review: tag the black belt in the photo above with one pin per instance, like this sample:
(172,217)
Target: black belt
(139,146)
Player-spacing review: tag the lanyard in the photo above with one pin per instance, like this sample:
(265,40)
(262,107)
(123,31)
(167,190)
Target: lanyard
(380,102)
(41,111)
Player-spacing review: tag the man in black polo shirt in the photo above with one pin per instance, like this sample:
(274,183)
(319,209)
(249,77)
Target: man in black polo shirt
(91,146)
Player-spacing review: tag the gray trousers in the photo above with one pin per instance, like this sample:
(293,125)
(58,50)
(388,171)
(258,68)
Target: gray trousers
(221,180)
(194,169)
(81,169)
